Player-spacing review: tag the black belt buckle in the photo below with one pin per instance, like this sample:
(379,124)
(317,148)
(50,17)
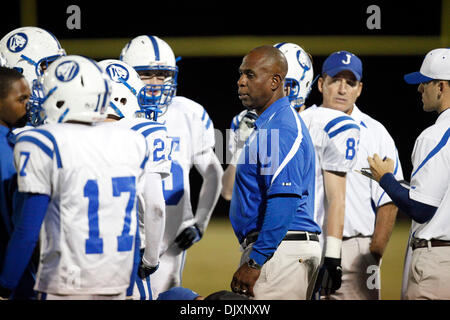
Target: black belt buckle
(418,243)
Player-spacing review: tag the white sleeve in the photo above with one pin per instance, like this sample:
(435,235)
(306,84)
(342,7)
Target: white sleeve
(212,172)
(34,164)
(232,141)
(204,136)
(339,152)
(154,218)
(429,179)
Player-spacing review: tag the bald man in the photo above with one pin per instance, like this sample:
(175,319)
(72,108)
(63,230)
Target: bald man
(272,206)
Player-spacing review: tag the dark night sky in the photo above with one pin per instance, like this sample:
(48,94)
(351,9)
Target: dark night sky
(212,81)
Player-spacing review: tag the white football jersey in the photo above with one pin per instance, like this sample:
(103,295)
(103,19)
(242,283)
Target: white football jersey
(191,133)
(159,148)
(430,178)
(335,136)
(92,174)
(364,195)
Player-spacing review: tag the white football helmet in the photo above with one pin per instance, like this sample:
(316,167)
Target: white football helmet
(29,49)
(125,85)
(150,53)
(3,62)
(75,88)
(299,78)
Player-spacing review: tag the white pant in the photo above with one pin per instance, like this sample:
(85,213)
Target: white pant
(169,273)
(360,272)
(291,272)
(142,289)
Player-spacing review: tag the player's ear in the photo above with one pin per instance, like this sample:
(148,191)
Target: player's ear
(360,86)
(320,84)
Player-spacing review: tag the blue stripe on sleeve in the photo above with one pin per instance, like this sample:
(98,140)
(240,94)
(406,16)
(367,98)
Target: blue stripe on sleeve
(235,123)
(55,145)
(208,123)
(342,129)
(38,143)
(436,149)
(145,133)
(144,124)
(336,121)
(203,115)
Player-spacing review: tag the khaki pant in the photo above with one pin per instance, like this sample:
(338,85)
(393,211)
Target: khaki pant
(290,274)
(360,272)
(429,274)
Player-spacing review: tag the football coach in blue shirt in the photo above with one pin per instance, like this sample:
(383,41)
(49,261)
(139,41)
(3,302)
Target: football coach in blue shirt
(272,206)
(14,96)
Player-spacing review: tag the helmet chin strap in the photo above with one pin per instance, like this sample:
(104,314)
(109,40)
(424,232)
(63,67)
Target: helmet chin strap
(29,60)
(116,109)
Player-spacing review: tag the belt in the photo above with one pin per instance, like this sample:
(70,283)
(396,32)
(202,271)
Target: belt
(301,236)
(356,236)
(422,243)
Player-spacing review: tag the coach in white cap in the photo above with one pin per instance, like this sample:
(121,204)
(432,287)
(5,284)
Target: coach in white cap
(427,201)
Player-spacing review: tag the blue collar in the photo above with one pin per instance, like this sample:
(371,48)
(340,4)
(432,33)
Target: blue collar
(4,130)
(271,110)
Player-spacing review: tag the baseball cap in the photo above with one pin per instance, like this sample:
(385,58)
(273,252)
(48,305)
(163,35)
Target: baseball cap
(178,293)
(340,61)
(435,66)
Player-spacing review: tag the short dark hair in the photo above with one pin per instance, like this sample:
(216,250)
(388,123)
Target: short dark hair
(7,77)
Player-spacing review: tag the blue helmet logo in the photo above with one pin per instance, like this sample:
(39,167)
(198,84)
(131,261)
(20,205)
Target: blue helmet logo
(17,42)
(117,72)
(67,70)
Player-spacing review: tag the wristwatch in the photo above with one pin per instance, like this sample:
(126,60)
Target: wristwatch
(252,264)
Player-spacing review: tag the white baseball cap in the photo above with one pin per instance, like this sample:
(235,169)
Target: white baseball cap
(435,66)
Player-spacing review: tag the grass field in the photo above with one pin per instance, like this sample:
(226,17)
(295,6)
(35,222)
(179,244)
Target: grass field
(211,263)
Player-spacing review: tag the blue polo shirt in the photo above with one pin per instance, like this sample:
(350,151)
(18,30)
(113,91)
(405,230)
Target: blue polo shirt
(278,158)
(11,204)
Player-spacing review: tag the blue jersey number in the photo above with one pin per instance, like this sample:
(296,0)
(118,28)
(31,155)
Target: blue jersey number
(158,153)
(94,244)
(351,151)
(22,172)
(173,185)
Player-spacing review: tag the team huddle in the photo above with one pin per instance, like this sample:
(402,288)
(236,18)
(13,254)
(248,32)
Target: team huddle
(96,159)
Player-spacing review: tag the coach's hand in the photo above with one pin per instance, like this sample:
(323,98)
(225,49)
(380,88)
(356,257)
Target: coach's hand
(188,237)
(144,271)
(329,278)
(379,167)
